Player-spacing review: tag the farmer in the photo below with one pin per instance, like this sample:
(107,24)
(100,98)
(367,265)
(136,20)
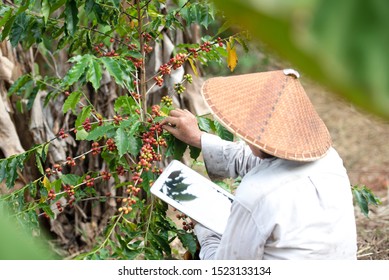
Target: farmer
(294,200)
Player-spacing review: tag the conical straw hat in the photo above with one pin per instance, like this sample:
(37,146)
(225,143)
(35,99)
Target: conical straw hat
(271,111)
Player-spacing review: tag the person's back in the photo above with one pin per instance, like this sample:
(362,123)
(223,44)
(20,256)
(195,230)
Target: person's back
(314,217)
(295,199)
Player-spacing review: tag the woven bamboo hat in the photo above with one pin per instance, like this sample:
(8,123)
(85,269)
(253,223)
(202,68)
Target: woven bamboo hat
(271,111)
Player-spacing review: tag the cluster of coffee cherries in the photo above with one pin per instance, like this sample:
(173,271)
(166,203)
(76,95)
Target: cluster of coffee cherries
(177,61)
(69,189)
(167,101)
(165,69)
(102,50)
(87,125)
(57,168)
(159,80)
(179,88)
(62,134)
(206,47)
(186,224)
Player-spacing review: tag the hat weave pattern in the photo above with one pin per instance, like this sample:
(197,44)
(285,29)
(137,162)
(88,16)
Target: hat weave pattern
(271,111)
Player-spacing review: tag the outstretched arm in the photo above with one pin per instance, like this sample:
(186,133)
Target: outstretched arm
(223,159)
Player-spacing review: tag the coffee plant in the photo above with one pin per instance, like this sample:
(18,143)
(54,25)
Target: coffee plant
(113,157)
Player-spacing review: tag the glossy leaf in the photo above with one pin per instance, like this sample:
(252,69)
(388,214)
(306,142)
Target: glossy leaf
(78,69)
(205,124)
(5,14)
(222,132)
(121,140)
(71,16)
(99,132)
(114,70)
(94,73)
(72,101)
(19,28)
(85,113)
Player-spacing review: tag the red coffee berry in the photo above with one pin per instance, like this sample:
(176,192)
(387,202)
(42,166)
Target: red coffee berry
(86,124)
(159,80)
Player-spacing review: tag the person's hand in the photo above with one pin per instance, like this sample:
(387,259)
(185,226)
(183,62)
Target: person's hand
(183,125)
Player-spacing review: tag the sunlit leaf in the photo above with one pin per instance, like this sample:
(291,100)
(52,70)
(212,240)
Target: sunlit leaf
(193,66)
(94,73)
(232,57)
(72,101)
(46,183)
(78,69)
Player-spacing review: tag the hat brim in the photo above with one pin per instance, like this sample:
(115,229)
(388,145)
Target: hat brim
(271,111)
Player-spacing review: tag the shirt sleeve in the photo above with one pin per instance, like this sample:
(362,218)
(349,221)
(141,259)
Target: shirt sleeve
(242,239)
(226,159)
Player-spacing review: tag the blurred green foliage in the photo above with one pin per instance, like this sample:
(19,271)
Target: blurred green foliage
(17,244)
(341,44)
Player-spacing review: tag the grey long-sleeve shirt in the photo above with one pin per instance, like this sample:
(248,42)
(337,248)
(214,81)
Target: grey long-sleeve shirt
(283,209)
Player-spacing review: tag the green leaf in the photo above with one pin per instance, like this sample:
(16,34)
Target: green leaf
(46,208)
(45,8)
(189,242)
(113,69)
(41,150)
(3,169)
(115,2)
(19,28)
(222,132)
(70,179)
(92,7)
(205,124)
(12,169)
(31,97)
(179,148)
(84,114)
(162,243)
(57,4)
(39,164)
(5,14)
(121,140)
(361,201)
(341,44)
(94,74)
(194,152)
(82,134)
(72,101)
(18,84)
(124,104)
(134,145)
(99,132)
(75,73)
(71,16)
(7,27)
